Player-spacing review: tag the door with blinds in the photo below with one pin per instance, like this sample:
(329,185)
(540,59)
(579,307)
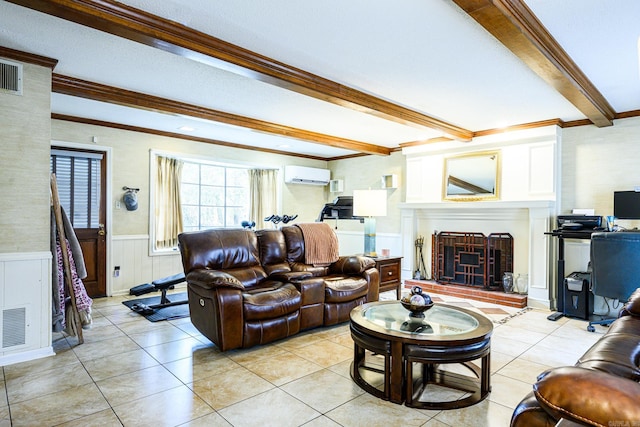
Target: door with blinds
(81,179)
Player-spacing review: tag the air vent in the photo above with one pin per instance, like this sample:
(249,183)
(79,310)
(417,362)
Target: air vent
(10,77)
(13,327)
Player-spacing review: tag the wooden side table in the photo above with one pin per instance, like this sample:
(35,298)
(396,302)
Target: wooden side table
(389,268)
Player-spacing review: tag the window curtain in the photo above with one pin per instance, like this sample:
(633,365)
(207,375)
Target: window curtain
(168,207)
(262,195)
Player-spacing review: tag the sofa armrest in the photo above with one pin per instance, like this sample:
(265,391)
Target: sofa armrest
(209,279)
(632,307)
(588,396)
(355,264)
(291,276)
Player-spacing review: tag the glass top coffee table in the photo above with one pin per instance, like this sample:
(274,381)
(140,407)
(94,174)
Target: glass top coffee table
(442,340)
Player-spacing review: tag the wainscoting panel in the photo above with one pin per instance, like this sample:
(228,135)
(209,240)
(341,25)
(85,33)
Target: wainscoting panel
(131,255)
(25,306)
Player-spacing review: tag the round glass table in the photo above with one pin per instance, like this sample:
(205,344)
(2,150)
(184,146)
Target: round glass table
(390,341)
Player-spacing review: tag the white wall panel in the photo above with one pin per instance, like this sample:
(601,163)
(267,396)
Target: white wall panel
(25,287)
(131,254)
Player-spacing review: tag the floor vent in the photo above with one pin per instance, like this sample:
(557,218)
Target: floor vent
(14,327)
(10,77)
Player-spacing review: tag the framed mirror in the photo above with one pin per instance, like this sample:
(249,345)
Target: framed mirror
(474,176)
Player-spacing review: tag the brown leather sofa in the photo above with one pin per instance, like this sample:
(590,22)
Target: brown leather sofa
(602,389)
(248,288)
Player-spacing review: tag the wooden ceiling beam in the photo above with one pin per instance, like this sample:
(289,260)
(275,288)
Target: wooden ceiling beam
(515,26)
(89,90)
(84,120)
(133,24)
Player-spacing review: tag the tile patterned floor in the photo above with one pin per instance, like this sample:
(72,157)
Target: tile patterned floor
(131,372)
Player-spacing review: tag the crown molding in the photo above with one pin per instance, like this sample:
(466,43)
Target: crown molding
(29,58)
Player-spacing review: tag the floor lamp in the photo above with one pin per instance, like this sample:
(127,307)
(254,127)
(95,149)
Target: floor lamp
(370,204)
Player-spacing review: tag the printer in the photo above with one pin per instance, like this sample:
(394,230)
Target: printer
(579,222)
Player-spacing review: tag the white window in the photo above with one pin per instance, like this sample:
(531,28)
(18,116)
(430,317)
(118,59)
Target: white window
(213,196)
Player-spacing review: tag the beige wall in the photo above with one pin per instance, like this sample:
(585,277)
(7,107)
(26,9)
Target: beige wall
(130,151)
(24,164)
(361,173)
(598,161)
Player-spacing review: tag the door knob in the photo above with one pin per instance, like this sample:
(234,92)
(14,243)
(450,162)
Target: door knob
(101,231)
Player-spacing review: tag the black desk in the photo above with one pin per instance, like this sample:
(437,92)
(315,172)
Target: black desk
(561,235)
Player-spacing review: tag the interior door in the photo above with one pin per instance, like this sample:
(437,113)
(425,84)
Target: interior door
(81,179)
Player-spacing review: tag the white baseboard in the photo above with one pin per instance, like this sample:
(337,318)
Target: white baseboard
(26,356)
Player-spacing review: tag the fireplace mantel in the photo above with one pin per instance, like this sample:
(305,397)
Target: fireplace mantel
(526,220)
(481,206)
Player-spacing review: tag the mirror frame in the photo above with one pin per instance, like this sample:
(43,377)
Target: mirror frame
(472,157)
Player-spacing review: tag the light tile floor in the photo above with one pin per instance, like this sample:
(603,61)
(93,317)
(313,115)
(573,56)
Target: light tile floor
(132,372)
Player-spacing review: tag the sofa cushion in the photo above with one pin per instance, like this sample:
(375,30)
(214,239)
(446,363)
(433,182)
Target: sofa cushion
(352,265)
(617,354)
(588,396)
(248,276)
(270,300)
(626,325)
(273,251)
(218,249)
(295,244)
(340,288)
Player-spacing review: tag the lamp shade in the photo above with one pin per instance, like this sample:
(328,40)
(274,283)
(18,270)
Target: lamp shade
(370,202)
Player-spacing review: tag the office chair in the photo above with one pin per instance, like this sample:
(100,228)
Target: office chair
(615,267)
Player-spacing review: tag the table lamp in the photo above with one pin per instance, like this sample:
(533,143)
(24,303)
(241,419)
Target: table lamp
(370,204)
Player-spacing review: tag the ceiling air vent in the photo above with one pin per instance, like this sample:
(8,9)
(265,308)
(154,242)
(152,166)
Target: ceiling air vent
(10,77)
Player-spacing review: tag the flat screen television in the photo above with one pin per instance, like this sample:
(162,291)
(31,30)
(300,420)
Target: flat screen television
(626,204)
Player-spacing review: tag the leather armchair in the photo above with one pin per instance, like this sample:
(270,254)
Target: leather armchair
(601,389)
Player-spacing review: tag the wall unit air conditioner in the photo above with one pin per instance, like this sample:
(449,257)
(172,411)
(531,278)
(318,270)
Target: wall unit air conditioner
(306,175)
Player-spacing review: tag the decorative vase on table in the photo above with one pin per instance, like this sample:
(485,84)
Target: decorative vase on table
(507,282)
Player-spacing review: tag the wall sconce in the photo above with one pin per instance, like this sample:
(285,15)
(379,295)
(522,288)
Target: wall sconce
(130,198)
(369,204)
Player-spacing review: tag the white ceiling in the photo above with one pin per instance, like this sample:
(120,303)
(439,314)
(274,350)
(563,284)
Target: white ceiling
(426,55)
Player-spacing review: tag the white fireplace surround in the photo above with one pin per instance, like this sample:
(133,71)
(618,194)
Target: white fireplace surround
(526,221)
(526,208)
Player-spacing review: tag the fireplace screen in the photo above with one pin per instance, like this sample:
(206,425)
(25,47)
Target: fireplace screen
(471,259)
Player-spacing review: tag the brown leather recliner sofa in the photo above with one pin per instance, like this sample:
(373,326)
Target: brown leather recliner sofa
(602,389)
(247,288)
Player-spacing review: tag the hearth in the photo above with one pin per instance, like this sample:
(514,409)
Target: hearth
(468,292)
(471,259)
